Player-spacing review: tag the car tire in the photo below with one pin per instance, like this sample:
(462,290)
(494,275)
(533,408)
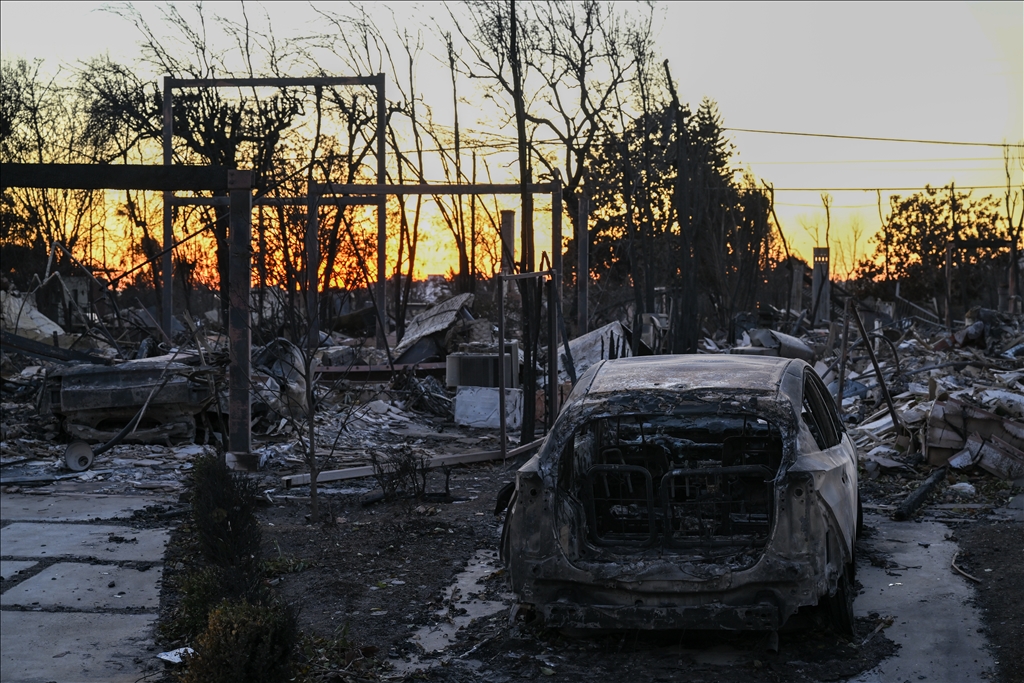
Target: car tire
(839,606)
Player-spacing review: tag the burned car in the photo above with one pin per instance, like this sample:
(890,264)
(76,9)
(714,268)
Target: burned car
(687,492)
(165,394)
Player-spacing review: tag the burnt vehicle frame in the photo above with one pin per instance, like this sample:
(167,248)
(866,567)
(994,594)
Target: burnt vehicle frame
(688,492)
(148,401)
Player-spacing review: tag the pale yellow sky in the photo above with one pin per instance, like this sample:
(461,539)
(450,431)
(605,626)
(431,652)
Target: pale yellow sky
(937,71)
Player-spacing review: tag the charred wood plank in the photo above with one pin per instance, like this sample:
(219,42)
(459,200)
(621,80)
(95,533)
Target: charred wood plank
(917,497)
(37,349)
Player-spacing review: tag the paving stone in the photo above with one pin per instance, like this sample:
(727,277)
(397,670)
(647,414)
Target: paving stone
(9,568)
(73,507)
(104,542)
(36,647)
(87,587)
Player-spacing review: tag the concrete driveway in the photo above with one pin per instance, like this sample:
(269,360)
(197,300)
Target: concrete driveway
(935,622)
(81,587)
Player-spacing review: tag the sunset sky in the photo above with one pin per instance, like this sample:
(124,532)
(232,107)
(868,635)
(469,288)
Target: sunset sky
(937,71)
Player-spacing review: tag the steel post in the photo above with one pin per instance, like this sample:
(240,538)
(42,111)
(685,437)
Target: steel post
(167,263)
(239,331)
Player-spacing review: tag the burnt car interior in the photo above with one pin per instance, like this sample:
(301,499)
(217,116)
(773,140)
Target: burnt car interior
(700,484)
(819,414)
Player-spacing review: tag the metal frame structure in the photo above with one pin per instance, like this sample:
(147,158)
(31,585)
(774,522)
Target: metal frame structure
(171,83)
(238,185)
(554,313)
(376,194)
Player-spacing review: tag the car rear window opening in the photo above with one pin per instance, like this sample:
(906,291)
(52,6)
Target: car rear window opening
(703,486)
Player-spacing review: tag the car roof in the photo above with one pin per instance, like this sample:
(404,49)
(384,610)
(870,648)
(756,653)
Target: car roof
(689,372)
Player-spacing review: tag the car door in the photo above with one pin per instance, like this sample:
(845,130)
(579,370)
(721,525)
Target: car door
(830,458)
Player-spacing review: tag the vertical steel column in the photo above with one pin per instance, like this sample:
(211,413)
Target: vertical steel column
(842,355)
(949,287)
(1013,305)
(312,268)
(239,331)
(553,291)
(382,223)
(167,263)
(508,244)
(796,290)
(501,359)
(583,266)
(556,226)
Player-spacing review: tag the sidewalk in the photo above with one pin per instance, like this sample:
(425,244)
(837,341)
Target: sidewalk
(81,587)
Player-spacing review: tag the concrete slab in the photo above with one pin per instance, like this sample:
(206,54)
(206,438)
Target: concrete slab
(73,507)
(936,623)
(88,587)
(101,541)
(36,647)
(8,568)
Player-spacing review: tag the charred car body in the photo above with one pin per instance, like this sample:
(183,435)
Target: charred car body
(687,492)
(95,402)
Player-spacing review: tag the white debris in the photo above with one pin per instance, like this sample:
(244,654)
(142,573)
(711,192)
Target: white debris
(175,656)
(479,407)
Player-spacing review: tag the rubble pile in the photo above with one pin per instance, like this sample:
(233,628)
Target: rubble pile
(954,434)
(916,397)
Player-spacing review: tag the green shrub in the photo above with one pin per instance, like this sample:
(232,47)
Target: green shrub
(201,590)
(244,643)
(223,510)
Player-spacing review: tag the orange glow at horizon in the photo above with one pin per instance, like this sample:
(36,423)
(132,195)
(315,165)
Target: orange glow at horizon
(113,246)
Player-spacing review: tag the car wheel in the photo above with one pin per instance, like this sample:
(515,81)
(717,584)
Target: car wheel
(839,606)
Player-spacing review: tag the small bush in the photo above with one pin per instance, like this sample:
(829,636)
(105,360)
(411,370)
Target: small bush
(201,591)
(244,643)
(223,507)
(402,471)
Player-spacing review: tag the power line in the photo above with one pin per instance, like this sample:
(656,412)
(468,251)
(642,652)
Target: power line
(869,161)
(884,189)
(876,139)
(833,206)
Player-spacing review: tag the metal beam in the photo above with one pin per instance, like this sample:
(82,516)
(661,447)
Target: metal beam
(277,201)
(440,188)
(296,82)
(115,177)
